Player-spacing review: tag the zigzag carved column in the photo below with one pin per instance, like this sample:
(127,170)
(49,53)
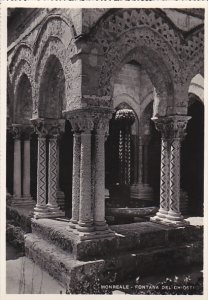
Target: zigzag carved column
(162,125)
(178,126)
(54,131)
(41,210)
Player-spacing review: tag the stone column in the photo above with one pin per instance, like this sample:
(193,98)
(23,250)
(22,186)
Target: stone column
(146,167)
(52,204)
(76,178)
(178,126)
(162,125)
(26,166)
(41,210)
(59,194)
(140,181)
(85,223)
(17,193)
(101,130)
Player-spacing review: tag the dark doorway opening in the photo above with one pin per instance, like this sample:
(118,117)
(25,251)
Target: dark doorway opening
(66,163)
(192,157)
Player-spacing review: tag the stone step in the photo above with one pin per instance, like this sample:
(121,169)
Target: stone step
(128,237)
(57,262)
(88,276)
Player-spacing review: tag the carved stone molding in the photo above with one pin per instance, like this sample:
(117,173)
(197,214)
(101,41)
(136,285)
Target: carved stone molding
(88,120)
(27,131)
(48,127)
(17,131)
(172,126)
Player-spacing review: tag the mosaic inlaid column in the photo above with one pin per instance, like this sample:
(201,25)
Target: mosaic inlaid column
(85,223)
(178,126)
(52,204)
(76,179)
(162,125)
(17,193)
(41,210)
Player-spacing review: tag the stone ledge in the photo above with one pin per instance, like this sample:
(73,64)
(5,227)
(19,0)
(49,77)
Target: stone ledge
(86,276)
(128,237)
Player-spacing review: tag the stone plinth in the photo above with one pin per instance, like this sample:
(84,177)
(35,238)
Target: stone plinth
(141,191)
(140,248)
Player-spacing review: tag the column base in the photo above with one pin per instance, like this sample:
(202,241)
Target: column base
(159,220)
(101,226)
(55,211)
(162,213)
(72,224)
(22,201)
(60,199)
(93,234)
(168,222)
(85,227)
(90,235)
(141,191)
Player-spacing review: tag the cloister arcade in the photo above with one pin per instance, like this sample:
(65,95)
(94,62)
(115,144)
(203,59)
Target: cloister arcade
(131,68)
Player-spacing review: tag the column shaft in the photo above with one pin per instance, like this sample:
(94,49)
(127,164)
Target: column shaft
(164,178)
(41,177)
(99,189)
(26,172)
(85,209)
(140,175)
(17,168)
(76,179)
(52,174)
(174,192)
(145,164)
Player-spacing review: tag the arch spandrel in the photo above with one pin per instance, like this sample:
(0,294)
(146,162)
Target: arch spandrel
(54,26)
(152,30)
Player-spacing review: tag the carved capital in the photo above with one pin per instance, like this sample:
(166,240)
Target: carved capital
(172,127)
(87,120)
(27,131)
(55,128)
(50,127)
(40,127)
(81,122)
(163,126)
(17,131)
(178,125)
(101,123)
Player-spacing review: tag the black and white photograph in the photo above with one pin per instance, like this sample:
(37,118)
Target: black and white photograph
(104,127)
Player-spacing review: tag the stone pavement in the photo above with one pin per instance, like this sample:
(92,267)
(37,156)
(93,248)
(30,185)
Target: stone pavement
(23,276)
